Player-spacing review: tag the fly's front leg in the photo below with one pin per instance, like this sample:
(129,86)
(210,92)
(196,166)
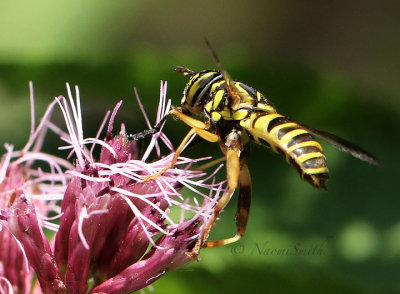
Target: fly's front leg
(174,159)
(198,127)
(190,121)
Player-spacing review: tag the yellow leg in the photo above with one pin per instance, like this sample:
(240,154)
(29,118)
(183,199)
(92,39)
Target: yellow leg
(198,127)
(190,121)
(242,214)
(210,164)
(233,169)
(201,128)
(174,159)
(208,136)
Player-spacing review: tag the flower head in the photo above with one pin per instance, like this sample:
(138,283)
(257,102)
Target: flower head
(111,218)
(117,234)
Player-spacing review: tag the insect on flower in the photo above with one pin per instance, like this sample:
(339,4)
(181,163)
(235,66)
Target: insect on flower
(235,115)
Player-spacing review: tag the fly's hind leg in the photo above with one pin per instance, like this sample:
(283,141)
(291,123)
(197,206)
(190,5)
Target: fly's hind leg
(233,169)
(210,164)
(237,173)
(242,214)
(243,210)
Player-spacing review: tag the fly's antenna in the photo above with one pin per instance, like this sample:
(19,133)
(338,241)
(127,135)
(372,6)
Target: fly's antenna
(185,71)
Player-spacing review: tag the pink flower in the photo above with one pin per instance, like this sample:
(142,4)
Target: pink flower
(116,233)
(27,195)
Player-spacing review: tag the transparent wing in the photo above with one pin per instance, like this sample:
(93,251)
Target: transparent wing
(343,145)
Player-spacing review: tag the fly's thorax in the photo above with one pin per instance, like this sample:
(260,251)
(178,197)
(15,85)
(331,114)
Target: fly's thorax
(221,106)
(217,106)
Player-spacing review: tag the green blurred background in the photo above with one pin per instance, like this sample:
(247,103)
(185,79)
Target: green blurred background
(334,65)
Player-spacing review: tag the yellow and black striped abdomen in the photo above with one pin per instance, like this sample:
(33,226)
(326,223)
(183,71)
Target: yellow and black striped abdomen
(291,140)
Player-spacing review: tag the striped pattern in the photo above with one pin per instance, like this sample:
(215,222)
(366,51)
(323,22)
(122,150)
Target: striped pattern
(293,141)
(199,87)
(207,93)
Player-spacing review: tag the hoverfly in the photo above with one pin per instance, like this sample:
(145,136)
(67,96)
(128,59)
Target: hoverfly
(234,115)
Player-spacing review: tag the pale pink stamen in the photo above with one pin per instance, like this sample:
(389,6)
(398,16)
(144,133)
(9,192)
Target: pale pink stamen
(146,118)
(76,143)
(161,112)
(84,216)
(76,111)
(103,123)
(6,161)
(112,118)
(32,103)
(140,197)
(140,217)
(33,136)
(93,141)
(87,178)
(9,286)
